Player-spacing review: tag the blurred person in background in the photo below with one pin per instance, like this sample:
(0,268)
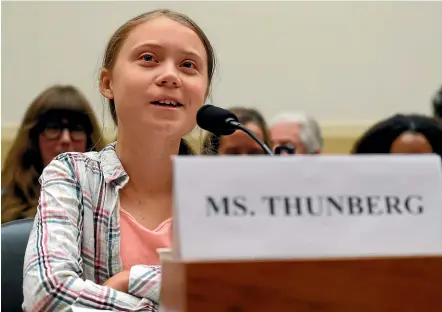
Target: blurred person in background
(402,134)
(298,131)
(239,143)
(60,119)
(437,105)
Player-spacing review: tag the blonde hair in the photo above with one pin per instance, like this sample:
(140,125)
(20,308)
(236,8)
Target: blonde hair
(117,40)
(23,164)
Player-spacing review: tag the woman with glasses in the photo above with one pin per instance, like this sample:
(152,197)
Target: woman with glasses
(59,120)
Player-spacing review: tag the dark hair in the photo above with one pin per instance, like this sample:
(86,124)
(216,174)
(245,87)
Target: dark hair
(245,116)
(437,104)
(379,138)
(116,42)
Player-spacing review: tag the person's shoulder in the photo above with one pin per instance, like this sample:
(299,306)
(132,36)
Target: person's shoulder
(92,158)
(76,160)
(77,163)
(90,166)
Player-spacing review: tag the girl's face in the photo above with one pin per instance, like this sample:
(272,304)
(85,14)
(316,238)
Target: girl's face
(159,80)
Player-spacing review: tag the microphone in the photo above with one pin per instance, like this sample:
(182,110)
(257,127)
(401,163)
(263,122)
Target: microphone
(220,121)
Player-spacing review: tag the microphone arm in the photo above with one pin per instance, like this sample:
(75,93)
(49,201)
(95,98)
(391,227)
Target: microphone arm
(239,126)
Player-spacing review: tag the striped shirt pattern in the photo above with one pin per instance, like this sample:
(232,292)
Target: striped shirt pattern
(74,245)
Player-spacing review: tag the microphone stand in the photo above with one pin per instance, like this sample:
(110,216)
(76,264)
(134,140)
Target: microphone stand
(239,126)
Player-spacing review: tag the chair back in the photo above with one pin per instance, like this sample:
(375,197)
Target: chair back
(15,235)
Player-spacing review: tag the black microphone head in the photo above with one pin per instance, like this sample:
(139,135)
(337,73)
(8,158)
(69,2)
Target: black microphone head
(216,120)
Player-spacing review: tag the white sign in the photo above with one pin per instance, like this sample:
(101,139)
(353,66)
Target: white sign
(79,309)
(229,208)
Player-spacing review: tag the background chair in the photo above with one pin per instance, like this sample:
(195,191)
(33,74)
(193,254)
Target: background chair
(15,235)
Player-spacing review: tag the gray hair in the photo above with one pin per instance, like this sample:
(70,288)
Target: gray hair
(311,134)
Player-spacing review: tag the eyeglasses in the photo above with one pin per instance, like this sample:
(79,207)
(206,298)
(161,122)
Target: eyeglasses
(285,148)
(53,132)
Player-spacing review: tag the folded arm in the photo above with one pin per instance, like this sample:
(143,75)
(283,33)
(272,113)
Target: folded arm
(145,281)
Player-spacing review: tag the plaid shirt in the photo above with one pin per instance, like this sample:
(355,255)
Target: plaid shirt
(74,246)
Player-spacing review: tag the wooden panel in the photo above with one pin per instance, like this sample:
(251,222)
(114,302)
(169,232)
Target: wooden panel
(339,144)
(370,285)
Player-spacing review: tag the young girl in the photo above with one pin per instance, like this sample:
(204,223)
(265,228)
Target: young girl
(102,215)
(60,119)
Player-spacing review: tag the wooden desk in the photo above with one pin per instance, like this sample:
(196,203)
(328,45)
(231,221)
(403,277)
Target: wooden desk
(363,285)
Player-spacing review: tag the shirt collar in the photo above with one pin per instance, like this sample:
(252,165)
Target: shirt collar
(111,165)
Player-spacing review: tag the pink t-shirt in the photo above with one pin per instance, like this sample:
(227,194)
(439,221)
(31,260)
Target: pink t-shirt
(138,244)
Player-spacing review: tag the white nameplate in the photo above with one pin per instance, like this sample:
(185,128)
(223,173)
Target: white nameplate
(229,208)
(79,309)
